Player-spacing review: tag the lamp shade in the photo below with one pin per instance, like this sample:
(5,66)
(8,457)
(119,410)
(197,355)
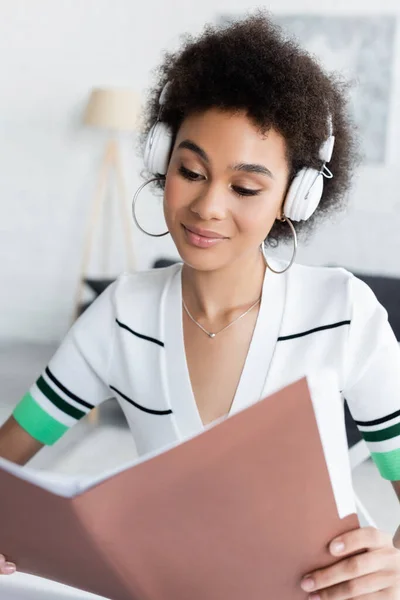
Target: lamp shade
(113,108)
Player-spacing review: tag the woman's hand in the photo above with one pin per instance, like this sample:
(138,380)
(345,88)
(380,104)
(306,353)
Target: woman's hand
(371,575)
(6,568)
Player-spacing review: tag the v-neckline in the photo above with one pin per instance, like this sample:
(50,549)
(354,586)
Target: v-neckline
(179,390)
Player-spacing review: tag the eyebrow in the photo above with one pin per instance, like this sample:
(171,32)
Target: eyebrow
(247,167)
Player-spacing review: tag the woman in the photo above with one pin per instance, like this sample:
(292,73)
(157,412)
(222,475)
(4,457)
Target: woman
(245,135)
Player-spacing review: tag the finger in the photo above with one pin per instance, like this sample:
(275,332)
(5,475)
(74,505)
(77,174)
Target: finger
(6,568)
(383,595)
(352,568)
(366,538)
(362,587)
(389,594)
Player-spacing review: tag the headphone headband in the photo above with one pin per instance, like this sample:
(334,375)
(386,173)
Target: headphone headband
(164,92)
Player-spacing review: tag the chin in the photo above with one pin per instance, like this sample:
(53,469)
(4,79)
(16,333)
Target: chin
(201,263)
(202,260)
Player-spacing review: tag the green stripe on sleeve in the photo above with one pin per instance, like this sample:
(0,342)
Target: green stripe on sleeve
(382,434)
(388,464)
(58,401)
(37,422)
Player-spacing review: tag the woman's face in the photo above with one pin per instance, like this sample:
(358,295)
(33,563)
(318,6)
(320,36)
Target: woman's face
(224,188)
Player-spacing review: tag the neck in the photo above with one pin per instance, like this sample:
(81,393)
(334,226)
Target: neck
(214,294)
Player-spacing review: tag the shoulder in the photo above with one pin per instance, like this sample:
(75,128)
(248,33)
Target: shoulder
(320,283)
(328,293)
(144,284)
(330,282)
(316,275)
(130,294)
(139,294)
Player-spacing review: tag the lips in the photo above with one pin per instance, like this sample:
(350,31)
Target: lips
(206,233)
(202,238)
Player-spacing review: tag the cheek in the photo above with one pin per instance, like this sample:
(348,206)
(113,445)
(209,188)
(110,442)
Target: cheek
(173,194)
(256,218)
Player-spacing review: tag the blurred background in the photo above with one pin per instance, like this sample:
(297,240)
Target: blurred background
(69,166)
(52,54)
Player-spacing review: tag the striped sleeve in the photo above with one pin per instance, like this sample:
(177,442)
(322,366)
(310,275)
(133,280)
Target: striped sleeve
(75,380)
(373,379)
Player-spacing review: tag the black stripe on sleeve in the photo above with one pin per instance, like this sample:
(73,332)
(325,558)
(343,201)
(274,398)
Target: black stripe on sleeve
(143,408)
(66,391)
(140,335)
(379,421)
(59,402)
(304,333)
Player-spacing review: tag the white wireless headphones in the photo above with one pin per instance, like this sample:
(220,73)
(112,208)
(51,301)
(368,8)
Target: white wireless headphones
(158,143)
(305,191)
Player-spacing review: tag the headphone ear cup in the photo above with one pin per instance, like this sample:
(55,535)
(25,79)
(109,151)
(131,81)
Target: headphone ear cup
(304,195)
(158,148)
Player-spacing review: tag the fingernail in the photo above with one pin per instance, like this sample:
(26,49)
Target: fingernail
(8,568)
(314,597)
(308,584)
(2,559)
(337,547)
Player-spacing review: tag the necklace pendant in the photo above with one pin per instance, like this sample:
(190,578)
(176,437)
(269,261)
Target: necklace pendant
(212,335)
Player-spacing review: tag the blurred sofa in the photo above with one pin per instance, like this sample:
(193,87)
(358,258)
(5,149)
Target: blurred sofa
(387,291)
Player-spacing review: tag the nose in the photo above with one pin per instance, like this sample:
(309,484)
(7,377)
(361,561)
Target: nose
(210,204)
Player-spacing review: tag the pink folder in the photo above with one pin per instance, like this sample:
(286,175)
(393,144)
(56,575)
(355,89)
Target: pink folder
(241,511)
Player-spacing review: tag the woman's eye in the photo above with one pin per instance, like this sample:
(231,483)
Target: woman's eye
(245,191)
(193,176)
(187,174)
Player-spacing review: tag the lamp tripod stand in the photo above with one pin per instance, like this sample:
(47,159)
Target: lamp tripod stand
(111,163)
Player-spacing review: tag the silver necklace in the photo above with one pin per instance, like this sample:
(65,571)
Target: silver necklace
(212,335)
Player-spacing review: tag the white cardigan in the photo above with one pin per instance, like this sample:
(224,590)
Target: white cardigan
(129,345)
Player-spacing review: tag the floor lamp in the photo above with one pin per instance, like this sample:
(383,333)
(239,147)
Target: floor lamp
(115,110)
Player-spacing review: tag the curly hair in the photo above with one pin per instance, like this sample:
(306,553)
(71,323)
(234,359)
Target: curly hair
(251,65)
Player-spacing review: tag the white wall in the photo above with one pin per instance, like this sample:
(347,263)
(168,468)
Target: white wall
(51,53)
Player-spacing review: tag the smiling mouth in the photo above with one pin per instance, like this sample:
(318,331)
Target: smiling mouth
(201,238)
(206,233)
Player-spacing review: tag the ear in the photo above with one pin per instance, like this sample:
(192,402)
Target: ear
(280,213)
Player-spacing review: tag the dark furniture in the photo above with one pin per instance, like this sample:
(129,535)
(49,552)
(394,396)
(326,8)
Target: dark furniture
(387,291)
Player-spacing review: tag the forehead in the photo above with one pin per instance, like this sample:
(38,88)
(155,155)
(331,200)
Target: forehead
(233,138)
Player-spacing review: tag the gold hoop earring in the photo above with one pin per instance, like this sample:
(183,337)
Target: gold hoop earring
(135,197)
(293,230)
